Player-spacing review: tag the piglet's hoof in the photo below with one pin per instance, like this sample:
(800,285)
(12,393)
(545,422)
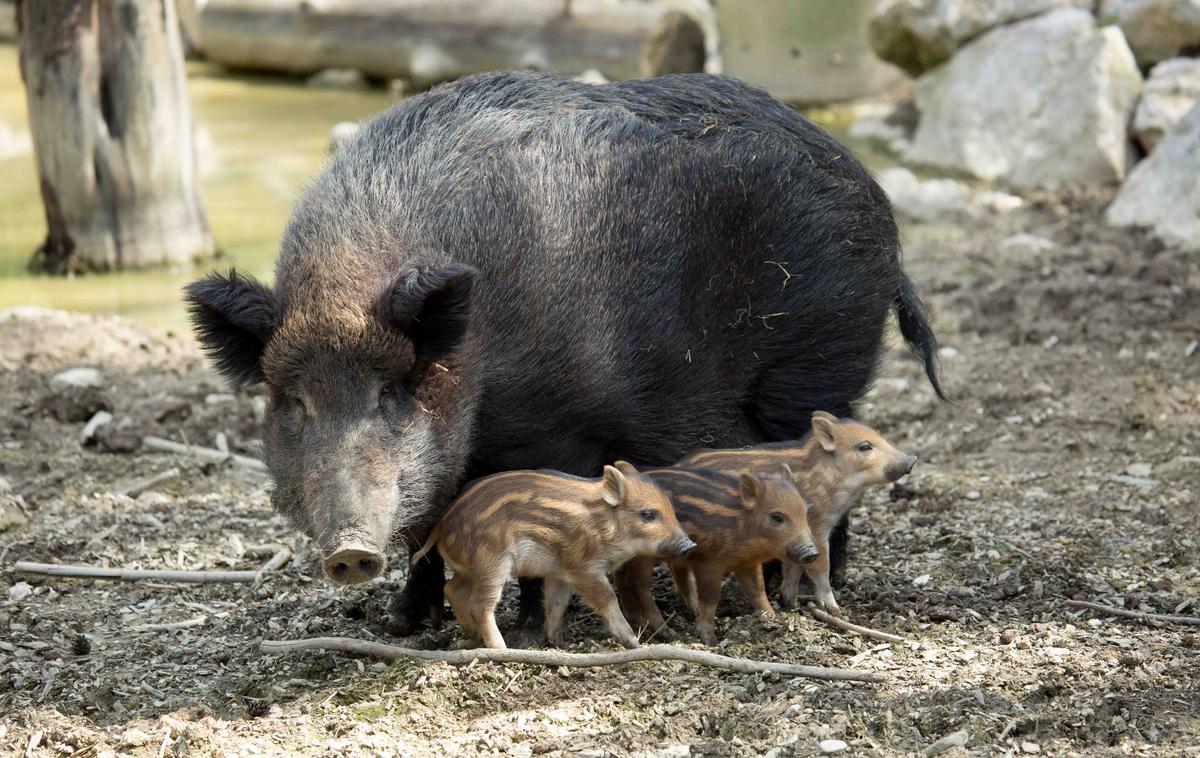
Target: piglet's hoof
(630,644)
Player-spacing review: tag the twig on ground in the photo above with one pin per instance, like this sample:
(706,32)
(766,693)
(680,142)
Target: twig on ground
(198,621)
(164,575)
(1161,618)
(139,487)
(821,615)
(559,658)
(203,453)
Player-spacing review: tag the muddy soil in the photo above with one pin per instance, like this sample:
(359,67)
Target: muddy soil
(1068,466)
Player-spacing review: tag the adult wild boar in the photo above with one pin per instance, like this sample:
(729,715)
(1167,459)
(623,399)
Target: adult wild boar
(519,271)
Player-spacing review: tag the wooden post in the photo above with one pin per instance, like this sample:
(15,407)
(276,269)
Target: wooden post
(112,132)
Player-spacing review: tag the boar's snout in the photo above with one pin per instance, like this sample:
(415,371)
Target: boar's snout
(354,565)
(805,552)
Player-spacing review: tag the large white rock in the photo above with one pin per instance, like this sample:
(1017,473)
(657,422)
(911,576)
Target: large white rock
(1171,90)
(1163,191)
(1156,29)
(1039,103)
(917,35)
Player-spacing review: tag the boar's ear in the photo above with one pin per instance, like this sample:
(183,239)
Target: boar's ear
(824,429)
(432,307)
(612,486)
(751,490)
(625,467)
(233,317)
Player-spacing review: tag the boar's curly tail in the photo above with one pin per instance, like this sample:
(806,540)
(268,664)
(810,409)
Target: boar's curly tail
(432,540)
(914,326)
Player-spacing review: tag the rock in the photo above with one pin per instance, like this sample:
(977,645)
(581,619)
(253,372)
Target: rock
(932,199)
(341,133)
(954,739)
(80,376)
(11,515)
(921,580)
(1161,191)
(592,76)
(917,35)
(19,592)
(1030,747)
(830,747)
(1139,469)
(1040,103)
(1158,29)
(1027,244)
(1171,90)
(337,78)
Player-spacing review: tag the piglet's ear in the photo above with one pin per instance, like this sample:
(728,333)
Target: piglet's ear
(612,486)
(432,307)
(233,317)
(625,467)
(824,429)
(788,473)
(751,490)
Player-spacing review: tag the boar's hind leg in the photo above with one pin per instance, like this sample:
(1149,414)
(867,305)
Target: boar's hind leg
(557,594)
(751,581)
(595,590)
(530,616)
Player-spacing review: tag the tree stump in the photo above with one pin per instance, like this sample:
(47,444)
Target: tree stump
(112,132)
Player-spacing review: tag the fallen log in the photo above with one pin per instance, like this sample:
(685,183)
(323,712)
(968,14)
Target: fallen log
(429,41)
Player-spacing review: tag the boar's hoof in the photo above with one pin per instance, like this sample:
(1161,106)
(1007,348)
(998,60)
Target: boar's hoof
(664,633)
(406,615)
(530,638)
(630,644)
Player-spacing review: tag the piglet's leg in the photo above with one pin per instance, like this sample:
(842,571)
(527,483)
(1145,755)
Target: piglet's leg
(818,572)
(633,585)
(708,594)
(685,584)
(598,593)
(750,578)
(555,594)
(458,591)
(789,585)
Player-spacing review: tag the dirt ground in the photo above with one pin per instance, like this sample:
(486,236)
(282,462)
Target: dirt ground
(1067,467)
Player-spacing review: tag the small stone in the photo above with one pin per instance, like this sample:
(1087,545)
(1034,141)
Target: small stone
(5,487)
(219,398)
(954,739)
(338,78)
(80,376)
(973,495)
(830,747)
(1030,747)
(19,592)
(947,352)
(1007,636)
(1139,469)
(921,580)
(379,667)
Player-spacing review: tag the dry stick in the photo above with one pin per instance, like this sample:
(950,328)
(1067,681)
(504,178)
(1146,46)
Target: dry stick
(558,658)
(198,621)
(203,453)
(821,615)
(165,575)
(139,487)
(1139,615)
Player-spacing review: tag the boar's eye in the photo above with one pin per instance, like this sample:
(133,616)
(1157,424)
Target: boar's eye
(865,447)
(648,515)
(777,518)
(390,393)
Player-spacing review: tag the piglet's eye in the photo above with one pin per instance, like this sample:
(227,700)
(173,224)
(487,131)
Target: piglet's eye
(865,447)
(777,518)
(648,515)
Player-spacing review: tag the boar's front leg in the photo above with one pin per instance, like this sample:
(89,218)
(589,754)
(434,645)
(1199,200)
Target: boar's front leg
(750,578)
(530,616)
(595,590)
(421,597)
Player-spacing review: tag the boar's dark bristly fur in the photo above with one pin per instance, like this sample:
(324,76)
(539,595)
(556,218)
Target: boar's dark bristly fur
(653,265)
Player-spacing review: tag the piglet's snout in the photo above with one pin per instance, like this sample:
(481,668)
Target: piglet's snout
(354,564)
(897,470)
(804,553)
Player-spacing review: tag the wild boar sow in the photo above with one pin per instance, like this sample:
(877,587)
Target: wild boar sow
(519,271)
